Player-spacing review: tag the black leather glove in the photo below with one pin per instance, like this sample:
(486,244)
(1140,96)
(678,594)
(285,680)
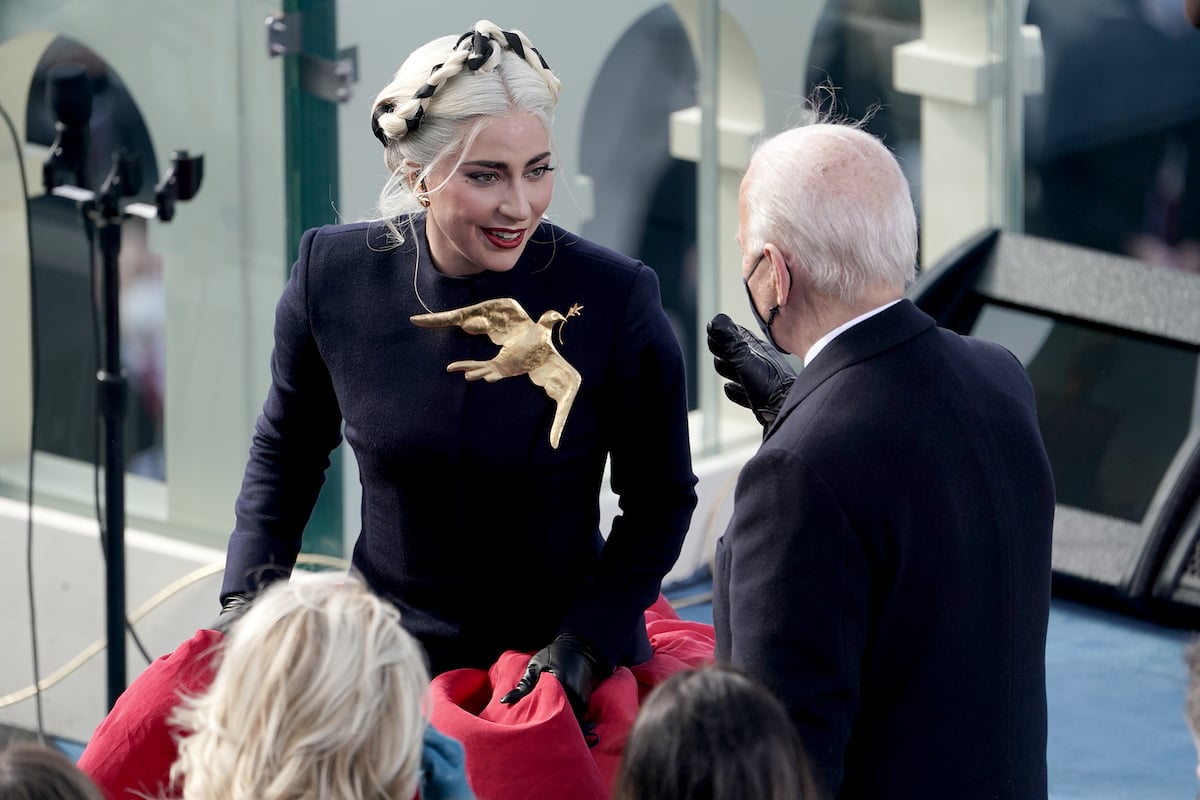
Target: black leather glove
(576,664)
(231,609)
(759,376)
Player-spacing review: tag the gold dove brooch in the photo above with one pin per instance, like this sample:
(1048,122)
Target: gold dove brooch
(526,348)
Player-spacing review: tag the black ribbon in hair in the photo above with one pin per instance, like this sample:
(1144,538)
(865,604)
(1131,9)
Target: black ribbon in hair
(482,43)
(376,129)
(428,89)
(514,43)
(482,47)
(481,50)
(414,122)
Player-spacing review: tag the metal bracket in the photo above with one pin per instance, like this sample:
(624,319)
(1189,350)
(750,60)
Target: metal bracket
(324,78)
(283,34)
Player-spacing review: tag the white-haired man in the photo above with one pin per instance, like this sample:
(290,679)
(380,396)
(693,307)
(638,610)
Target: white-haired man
(887,568)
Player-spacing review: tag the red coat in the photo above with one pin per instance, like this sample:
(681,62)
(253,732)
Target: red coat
(130,754)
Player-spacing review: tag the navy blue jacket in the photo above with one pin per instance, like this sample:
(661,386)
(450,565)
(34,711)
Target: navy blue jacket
(886,570)
(484,536)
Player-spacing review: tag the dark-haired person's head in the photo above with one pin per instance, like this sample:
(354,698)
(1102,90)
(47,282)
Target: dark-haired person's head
(713,733)
(38,772)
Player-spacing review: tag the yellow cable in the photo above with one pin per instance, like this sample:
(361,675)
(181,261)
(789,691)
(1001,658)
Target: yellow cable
(139,613)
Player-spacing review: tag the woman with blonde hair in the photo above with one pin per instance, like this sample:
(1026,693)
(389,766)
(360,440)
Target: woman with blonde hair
(491,372)
(484,366)
(319,693)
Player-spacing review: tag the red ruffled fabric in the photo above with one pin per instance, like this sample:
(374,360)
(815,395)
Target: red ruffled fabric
(535,747)
(131,752)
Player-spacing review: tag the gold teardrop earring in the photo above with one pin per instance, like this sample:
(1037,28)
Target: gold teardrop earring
(422,195)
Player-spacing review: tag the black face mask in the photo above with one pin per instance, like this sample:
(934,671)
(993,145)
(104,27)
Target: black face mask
(772,312)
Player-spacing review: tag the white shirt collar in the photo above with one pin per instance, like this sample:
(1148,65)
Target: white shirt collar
(840,329)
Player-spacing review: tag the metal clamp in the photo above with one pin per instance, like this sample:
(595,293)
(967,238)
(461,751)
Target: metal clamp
(283,34)
(324,78)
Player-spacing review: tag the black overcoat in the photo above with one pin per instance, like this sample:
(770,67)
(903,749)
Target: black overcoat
(887,571)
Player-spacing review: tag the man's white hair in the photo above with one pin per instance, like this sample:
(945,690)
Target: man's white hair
(833,198)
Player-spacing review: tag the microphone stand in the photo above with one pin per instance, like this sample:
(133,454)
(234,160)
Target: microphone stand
(106,210)
(112,395)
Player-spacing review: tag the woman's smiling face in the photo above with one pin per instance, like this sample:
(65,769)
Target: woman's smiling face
(482,213)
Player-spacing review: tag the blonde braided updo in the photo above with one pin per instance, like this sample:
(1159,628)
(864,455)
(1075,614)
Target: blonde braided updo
(426,111)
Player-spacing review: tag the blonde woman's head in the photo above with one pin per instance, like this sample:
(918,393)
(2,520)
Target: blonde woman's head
(319,694)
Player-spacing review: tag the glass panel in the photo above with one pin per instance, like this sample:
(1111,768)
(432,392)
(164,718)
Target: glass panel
(646,198)
(1113,145)
(68,283)
(196,294)
(1114,408)
(852,57)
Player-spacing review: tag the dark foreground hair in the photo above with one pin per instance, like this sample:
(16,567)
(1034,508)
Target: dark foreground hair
(712,733)
(37,772)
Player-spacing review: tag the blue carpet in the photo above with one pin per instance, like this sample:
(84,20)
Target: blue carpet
(72,749)
(1115,687)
